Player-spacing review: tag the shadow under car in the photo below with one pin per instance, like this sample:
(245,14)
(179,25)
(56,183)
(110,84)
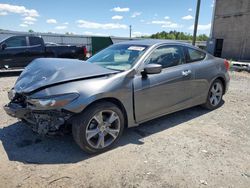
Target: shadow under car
(23,145)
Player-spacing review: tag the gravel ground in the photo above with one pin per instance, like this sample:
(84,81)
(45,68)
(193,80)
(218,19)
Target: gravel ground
(191,148)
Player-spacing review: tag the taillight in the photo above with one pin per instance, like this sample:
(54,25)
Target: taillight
(227,64)
(85,51)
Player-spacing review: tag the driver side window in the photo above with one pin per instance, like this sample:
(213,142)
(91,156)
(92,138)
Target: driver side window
(167,56)
(16,42)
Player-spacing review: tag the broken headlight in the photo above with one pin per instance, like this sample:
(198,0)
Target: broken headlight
(53,101)
(11,94)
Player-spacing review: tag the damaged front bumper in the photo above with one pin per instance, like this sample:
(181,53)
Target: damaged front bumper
(41,121)
(15,110)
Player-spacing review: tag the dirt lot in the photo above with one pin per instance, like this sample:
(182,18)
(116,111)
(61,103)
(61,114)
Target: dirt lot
(191,148)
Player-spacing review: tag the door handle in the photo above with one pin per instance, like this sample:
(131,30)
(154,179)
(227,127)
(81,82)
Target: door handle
(186,72)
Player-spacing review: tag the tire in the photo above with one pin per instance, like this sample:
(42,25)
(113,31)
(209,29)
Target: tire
(98,128)
(215,95)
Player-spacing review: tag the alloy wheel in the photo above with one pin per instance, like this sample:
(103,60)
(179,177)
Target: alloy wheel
(103,129)
(216,94)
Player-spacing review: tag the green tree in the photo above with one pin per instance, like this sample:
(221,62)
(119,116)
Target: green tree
(175,35)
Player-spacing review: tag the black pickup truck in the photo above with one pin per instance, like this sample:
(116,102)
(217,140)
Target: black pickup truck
(19,51)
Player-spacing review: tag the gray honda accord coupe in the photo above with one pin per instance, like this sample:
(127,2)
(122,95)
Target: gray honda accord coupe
(122,86)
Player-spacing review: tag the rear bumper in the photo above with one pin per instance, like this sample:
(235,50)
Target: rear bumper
(227,81)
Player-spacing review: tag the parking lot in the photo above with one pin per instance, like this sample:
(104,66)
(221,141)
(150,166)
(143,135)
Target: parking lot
(191,148)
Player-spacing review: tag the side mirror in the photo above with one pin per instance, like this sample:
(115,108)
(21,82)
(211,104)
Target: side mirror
(3,46)
(152,69)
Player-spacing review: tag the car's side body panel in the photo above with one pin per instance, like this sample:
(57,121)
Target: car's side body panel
(17,55)
(158,94)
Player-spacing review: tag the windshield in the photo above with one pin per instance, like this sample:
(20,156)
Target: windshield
(118,57)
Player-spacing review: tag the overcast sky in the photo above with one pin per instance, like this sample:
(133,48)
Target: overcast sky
(104,17)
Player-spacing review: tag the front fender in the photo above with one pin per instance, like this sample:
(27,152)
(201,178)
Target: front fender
(117,87)
(124,98)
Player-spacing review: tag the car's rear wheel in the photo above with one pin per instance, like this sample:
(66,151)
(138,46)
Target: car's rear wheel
(215,94)
(99,127)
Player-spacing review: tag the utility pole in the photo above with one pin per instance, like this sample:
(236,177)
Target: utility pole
(212,22)
(196,21)
(130,31)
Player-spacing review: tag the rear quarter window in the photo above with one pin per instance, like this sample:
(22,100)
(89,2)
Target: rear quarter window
(35,41)
(194,55)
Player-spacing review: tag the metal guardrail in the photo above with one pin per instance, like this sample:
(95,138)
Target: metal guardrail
(240,65)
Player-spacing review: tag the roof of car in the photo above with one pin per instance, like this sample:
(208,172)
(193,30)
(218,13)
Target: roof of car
(151,42)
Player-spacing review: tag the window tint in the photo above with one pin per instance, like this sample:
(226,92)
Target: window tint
(35,41)
(195,55)
(167,56)
(16,42)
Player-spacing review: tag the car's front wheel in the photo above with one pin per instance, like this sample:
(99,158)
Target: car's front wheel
(215,94)
(98,127)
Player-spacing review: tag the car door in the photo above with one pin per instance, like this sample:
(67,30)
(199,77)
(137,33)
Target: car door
(36,49)
(15,53)
(168,91)
(201,69)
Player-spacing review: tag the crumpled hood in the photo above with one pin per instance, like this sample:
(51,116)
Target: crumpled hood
(48,71)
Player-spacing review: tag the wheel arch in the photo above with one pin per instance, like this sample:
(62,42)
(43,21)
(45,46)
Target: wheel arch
(116,102)
(223,81)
